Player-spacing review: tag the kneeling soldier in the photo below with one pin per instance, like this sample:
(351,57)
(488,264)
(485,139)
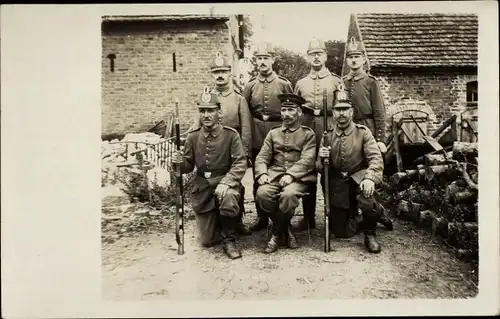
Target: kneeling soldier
(356,166)
(284,168)
(218,155)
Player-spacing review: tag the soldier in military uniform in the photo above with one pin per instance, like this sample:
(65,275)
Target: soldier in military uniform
(367,101)
(217,153)
(284,168)
(261,93)
(235,114)
(356,167)
(311,89)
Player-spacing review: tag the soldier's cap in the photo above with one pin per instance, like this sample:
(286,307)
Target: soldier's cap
(264,49)
(208,100)
(291,100)
(354,47)
(316,45)
(341,98)
(220,63)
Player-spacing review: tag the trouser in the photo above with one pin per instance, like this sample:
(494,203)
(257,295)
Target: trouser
(216,219)
(215,228)
(260,214)
(346,222)
(279,203)
(242,205)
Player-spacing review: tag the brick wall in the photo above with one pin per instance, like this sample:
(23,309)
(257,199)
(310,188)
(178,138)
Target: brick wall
(441,94)
(141,90)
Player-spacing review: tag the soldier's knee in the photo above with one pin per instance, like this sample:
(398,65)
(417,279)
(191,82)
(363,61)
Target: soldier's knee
(264,193)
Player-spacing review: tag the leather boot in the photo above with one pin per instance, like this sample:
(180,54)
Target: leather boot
(231,250)
(291,241)
(371,243)
(272,244)
(261,223)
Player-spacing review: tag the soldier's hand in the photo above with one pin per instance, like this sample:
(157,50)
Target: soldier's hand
(220,191)
(285,180)
(324,152)
(382,147)
(263,179)
(367,187)
(177,157)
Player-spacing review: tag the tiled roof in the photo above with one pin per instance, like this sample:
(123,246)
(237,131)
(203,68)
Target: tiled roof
(419,40)
(177,17)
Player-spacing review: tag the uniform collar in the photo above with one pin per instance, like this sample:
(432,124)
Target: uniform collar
(357,77)
(270,78)
(320,74)
(292,128)
(213,133)
(347,131)
(225,92)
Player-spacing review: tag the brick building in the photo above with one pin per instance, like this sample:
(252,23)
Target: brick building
(138,81)
(423,61)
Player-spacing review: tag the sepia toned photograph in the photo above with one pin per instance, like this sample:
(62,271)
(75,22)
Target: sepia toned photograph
(221,135)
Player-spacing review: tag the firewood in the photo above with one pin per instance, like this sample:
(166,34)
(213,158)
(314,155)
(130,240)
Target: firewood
(467,254)
(464,197)
(463,235)
(453,188)
(436,159)
(408,210)
(414,195)
(463,150)
(425,218)
(439,226)
(445,172)
(398,178)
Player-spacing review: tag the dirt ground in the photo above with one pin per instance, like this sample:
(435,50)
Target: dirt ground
(412,264)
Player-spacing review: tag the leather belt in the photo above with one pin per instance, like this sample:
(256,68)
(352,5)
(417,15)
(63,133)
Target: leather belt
(210,174)
(340,174)
(364,117)
(316,112)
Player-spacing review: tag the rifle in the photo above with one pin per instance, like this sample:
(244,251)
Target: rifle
(326,163)
(179,198)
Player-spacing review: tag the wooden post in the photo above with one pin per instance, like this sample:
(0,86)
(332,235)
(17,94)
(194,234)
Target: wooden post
(396,134)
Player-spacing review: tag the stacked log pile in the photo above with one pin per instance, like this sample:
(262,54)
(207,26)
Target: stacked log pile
(440,194)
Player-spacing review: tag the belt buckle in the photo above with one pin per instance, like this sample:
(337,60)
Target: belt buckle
(344,174)
(265,117)
(317,112)
(207,174)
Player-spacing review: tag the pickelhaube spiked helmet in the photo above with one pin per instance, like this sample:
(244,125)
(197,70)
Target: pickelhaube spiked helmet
(316,45)
(208,100)
(354,47)
(220,63)
(264,48)
(341,97)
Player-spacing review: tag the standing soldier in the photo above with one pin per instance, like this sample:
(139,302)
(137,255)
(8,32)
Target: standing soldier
(367,101)
(356,166)
(235,114)
(311,89)
(261,93)
(284,168)
(217,153)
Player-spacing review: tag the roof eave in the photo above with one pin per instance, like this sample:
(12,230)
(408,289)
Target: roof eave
(126,18)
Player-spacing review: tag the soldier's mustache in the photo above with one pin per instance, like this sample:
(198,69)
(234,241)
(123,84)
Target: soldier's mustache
(220,78)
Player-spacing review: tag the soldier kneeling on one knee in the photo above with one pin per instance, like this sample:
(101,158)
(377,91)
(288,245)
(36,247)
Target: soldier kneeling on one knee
(355,168)
(217,153)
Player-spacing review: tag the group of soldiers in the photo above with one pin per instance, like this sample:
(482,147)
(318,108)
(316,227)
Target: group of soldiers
(279,132)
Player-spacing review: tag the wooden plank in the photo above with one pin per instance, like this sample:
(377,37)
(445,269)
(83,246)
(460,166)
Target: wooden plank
(408,134)
(396,133)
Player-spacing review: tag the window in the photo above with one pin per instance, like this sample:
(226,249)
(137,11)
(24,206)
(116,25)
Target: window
(472,94)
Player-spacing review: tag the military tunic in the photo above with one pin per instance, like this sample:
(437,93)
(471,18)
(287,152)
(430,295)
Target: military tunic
(354,156)
(262,96)
(285,151)
(219,158)
(368,103)
(235,114)
(311,89)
